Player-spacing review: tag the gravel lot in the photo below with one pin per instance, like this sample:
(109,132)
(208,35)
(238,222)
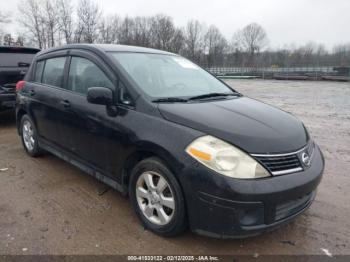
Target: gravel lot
(49,207)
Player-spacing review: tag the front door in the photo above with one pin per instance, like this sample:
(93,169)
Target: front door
(88,131)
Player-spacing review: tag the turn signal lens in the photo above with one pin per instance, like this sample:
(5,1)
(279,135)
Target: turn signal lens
(200,154)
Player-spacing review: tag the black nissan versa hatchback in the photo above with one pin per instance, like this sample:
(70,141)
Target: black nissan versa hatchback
(188,149)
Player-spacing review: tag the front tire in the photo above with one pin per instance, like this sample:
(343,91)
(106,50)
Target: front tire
(157,198)
(29,136)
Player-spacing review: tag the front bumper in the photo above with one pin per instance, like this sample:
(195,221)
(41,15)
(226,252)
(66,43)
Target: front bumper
(224,207)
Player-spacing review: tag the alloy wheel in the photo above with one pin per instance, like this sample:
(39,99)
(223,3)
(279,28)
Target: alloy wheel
(28,135)
(155,198)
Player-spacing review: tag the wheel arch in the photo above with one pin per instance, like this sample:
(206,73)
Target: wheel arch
(147,150)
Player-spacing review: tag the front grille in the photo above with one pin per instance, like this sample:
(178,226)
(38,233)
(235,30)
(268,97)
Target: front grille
(291,207)
(279,165)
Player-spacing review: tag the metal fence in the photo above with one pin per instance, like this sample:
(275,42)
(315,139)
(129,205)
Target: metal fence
(271,70)
(335,73)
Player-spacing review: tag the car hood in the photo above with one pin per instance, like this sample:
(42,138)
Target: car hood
(249,124)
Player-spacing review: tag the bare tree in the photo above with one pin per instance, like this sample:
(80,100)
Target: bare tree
(162,31)
(141,31)
(48,23)
(20,40)
(32,20)
(193,38)
(65,19)
(125,34)
(108,29)
(8,39)
(50,18)
(252,39)
(40,19)
(177,42)
(215,45)
(89,14)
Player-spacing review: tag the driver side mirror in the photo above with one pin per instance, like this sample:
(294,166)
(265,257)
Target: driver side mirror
(100,96)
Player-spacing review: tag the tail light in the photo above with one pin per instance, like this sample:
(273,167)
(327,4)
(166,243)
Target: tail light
(20,85)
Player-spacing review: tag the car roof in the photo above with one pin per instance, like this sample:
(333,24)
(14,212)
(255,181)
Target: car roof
(18,49)
(106,48)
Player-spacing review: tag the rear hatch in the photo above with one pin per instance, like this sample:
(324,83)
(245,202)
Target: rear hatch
(14,64)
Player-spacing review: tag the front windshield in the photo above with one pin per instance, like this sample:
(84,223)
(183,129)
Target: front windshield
(167,76)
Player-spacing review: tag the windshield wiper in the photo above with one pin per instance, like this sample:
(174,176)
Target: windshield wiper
(170,100)
(209,95)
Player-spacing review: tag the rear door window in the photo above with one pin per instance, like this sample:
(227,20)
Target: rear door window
(54,71)
(39,71)
(84,74)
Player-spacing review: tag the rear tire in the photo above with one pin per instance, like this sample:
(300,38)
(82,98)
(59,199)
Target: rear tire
(157,198)
(29,136)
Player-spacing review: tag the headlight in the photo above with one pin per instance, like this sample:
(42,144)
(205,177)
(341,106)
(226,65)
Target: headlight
(225,158)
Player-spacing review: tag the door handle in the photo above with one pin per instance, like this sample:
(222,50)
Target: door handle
(65,103)
(32,92)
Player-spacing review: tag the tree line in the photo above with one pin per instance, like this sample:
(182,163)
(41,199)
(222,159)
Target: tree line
(49,23)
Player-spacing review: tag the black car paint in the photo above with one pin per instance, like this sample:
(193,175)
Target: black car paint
(226,199)
(251,125)
(107,146)
(10,75)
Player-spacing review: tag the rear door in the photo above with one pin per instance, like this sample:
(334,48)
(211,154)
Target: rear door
(45,92)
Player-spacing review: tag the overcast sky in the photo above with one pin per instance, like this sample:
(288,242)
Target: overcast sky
(285,21)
